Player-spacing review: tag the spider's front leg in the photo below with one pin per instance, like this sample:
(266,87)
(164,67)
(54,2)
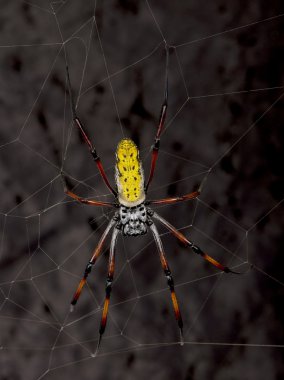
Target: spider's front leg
(160,128)
(86,138)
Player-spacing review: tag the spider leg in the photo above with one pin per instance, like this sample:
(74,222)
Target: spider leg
(182,198)
(167,201)
(190,244)
(86,138)
(91,202)
(161,124)
(169,278)
(90,264)
(108,287)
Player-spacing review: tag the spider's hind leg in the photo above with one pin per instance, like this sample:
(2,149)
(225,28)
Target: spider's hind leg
(91,263)
(108,287)
(194,247)
(169,278)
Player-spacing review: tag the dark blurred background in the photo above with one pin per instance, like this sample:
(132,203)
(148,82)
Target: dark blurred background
(225,116)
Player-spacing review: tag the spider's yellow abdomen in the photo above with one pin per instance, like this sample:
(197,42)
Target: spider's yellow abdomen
(129,174)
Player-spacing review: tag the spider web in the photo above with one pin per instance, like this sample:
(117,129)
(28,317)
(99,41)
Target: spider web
(223,125)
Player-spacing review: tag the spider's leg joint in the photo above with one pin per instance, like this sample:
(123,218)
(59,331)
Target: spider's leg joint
(116,217)
(196,249)
(104,317)
(108,286)
(118,226)
(149,222)
(94,154)
(170,280)
(150,212)
(156,144)
(88,269)
(188,243)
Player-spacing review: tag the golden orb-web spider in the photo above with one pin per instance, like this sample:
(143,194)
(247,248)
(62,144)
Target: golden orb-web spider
(133,216)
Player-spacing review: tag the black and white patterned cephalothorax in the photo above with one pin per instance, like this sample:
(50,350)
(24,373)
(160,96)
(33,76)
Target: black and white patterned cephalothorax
(133,221)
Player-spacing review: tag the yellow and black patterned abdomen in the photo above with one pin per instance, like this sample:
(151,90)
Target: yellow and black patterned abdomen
(129,174)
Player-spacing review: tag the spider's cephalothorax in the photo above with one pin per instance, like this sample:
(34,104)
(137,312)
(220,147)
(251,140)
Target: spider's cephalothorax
(133,221)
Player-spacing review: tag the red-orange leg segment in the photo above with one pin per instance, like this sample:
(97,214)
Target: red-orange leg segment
(87,140)
(161,125)
(90,264)
(108,285)
(190,244)
(90,202)
(169,278)
(167,201)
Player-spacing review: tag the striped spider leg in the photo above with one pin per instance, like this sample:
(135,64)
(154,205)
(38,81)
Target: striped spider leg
(86,138)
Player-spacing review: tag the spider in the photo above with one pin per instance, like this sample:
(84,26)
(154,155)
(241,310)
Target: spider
(133,216)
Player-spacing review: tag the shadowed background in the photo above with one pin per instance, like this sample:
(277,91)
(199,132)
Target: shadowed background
(225,116)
